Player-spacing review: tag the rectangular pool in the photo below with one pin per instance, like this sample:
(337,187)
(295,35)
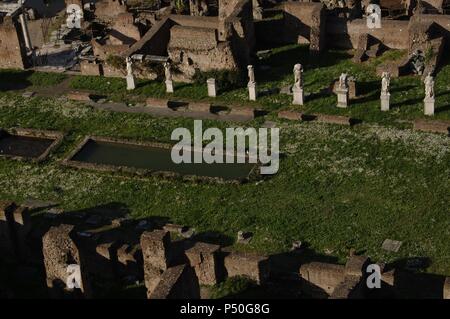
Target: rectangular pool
(153,158)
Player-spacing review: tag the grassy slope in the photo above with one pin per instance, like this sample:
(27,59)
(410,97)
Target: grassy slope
(337,188)
(406,92)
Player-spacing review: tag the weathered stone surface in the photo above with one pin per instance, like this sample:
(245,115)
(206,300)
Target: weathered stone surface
(177,282)
(203,258)
(432,126)
(324,276)
(446,292)
(199,106)
(350,288)
(391,245)
(156,256)
(243,111)
(79,96)
(356,266)
(252,266)
(334,119)
(290,115)
(59,252)
(157,103)
(12,52)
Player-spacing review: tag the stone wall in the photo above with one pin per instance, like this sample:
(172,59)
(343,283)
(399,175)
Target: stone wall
(12,51)
(345,34)
(304,22)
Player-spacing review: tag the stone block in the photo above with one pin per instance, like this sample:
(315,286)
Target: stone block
(212,90)
(60,253)
(156,255)
(177,282)
(322,275)
(384,99)
(252,266)
(298,96)
(432,126)
(200,107)
(252,94)
(203,258)
(290,115)
(334,119)
(356,266)
(157,103)
(428,106)
(446,292)
(350,288)
(342,98)
(243,111)
(169,86)
(79,96)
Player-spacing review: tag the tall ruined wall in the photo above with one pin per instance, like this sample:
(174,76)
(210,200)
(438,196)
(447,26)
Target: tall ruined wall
(192,48)
(11,51)
(345,34)
(304,21)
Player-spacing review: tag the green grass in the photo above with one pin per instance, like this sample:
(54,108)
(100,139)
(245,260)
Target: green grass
(337,188)
(10,79)
(407,92)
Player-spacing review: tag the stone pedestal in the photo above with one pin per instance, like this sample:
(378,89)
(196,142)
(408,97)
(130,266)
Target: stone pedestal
(384,98)
(131,85)
(342,98)
(211,83)
(298,95)
(252,91)
(169,86)
(429,105)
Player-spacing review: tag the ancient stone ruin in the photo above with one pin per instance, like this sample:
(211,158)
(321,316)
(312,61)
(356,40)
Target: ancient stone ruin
(84,255)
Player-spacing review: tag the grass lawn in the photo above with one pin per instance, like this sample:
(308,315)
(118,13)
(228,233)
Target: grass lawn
(407,93)
(337,188)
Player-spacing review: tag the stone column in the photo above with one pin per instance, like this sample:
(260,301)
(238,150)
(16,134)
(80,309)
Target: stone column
(298,95)
(429,95)
(211,83)
(26,34)
(168,74)
(342,97)
(384,98)
(251,84)
(385,95)
(429,105)
(297,89)
(131,85)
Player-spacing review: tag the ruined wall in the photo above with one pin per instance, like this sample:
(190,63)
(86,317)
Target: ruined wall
(154,41)
(304,22)
(12,52)
(124,30)
(108,10)
(345,34)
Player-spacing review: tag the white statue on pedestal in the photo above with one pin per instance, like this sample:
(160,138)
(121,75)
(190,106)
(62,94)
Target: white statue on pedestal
(129,66)
(385,82)
(298,75)
(131,85)
(251,74)
(343,81)
(167,71)
(429,86)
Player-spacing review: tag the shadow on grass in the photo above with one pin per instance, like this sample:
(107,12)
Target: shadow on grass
(11,80)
